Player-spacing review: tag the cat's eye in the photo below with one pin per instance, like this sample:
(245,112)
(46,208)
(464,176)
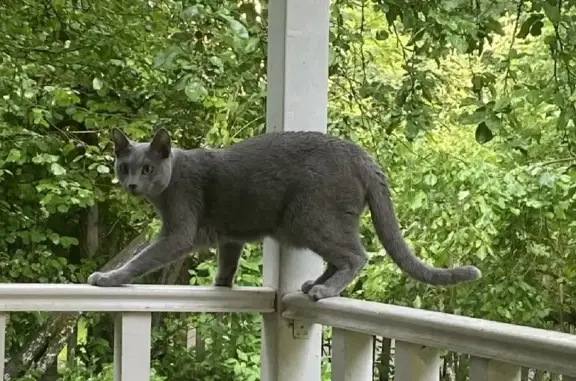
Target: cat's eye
(123,168)
(147,169)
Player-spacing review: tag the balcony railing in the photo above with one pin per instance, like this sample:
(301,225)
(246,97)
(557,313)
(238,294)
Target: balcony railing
(498,350)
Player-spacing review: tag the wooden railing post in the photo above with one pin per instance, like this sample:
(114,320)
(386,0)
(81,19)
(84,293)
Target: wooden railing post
(413,362)
(491,370)
(132,346)
(352,358)
(297,99)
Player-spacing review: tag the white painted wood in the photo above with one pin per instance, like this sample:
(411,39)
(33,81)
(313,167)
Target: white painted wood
(491,370)
(143,298)
(352,357)
(519,345)
(288,354)
(3,319)
(297,93)
(132,335)
(297,100)
(414,362)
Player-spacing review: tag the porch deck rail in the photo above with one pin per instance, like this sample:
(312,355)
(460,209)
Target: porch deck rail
(498,350)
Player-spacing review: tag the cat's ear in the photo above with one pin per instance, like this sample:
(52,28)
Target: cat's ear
(121,141)
(161,143)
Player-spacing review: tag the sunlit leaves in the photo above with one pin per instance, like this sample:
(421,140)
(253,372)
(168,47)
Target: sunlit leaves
(97,83)
(13,156)
(57,169)
(195,91)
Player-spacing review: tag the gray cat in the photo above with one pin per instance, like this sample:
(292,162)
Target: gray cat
(303,189)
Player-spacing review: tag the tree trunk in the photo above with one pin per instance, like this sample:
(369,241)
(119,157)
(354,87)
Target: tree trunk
(71,345)
(51,373)
(89,244)
(383,364)
(58,338)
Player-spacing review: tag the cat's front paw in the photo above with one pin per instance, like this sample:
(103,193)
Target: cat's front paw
(307,286)
(104,279)
(321,291)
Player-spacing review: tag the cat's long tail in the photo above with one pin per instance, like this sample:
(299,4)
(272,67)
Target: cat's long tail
(388,230)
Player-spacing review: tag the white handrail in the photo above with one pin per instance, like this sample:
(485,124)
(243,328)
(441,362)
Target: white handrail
(134,298)
(520,345)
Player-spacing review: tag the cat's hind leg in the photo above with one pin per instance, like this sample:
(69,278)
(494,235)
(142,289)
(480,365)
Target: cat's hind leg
(348,259)
(330,270)
(228,256)
(334,237)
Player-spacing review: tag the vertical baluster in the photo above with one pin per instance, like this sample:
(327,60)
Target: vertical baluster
(132,346)
(492,370)
(413,362)
(352,358)
(3,316)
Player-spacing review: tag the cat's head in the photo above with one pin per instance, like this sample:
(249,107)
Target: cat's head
(143,169)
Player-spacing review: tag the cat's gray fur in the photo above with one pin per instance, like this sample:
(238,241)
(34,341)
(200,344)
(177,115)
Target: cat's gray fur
(304,189)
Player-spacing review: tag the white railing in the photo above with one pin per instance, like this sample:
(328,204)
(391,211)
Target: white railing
(134,305)
(498,350)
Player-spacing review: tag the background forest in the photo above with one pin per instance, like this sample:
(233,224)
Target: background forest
(468,104)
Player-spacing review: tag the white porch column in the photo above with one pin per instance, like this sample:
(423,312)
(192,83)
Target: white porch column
(297,100)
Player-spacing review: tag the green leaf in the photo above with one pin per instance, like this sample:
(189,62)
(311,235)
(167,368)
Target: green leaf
(237,27)
(536,204)
(418,200)
(417,302)
(216,61)
(552,12)
(382,35)
(195,91)
(481,253)
(501,103)
(241,355)
(477,82)
(495,26)
(13,156)
(190,12)
(547,179)
(527,24)
(57,169)
(97,83)
(102,169)
(430,179)
(483,133)
(536,29)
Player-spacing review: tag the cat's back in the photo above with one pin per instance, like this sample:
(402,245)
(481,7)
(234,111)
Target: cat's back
(294,146)
(296,160)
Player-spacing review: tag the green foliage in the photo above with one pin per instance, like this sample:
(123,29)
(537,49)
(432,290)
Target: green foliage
(469,106)
(82,374)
